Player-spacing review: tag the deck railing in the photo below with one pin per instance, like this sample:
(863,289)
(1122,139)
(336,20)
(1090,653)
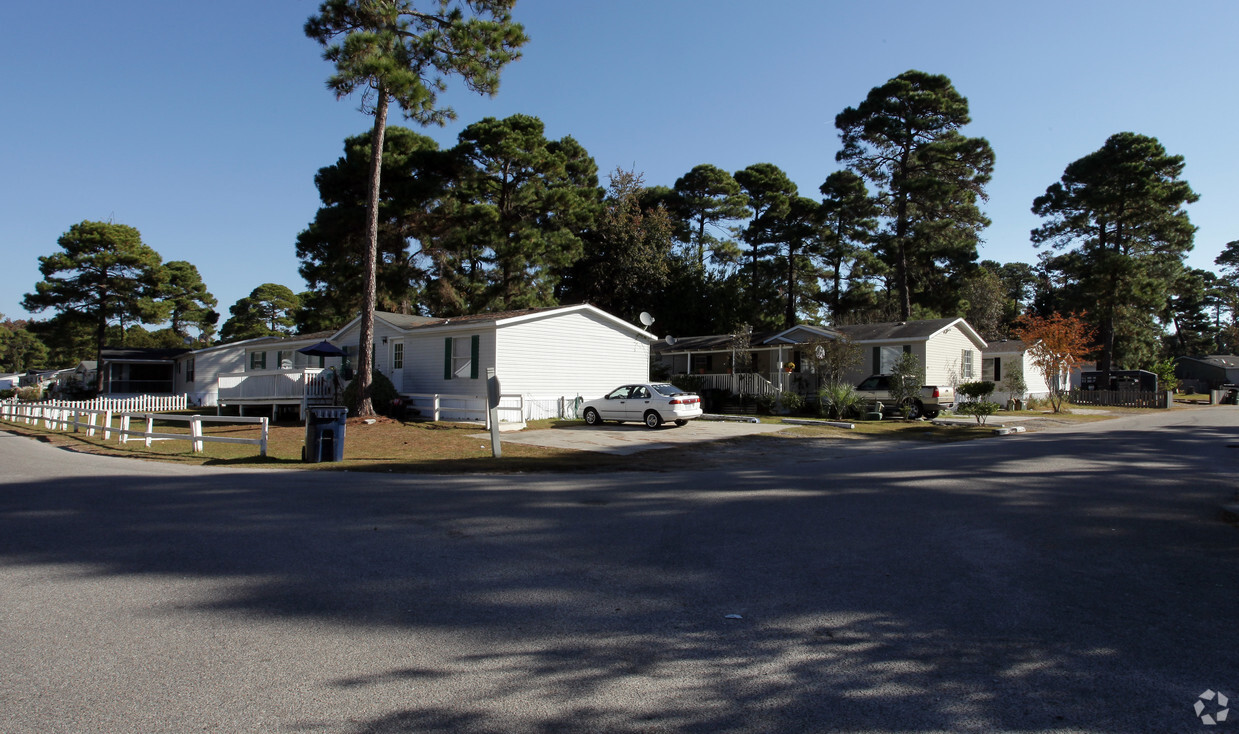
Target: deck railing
(313,382)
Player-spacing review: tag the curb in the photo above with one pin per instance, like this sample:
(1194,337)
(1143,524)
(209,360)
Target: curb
(811,422)
(728,418)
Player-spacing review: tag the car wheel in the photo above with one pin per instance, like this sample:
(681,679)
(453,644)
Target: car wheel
(931,414)
(653,419)
(915,409)
(592,418)
(681,422)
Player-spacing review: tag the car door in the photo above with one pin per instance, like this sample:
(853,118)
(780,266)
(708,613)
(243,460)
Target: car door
(614,406)
(639,400)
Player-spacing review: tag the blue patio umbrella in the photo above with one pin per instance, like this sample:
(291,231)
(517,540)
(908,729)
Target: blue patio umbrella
(322,349)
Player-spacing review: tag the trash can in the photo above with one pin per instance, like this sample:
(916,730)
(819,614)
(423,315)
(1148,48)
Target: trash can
(324,434)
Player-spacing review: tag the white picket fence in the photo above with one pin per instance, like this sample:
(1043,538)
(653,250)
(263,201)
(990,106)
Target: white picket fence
(66,417)
(135,404)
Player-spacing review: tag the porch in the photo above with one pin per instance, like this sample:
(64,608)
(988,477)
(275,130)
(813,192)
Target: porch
(302,387)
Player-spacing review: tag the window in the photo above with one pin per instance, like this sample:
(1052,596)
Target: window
(397,355)
(189,370)
(460,357)
(884,358)
(640,393)
(991,369)
(965,366)
(258,360)
(284,358)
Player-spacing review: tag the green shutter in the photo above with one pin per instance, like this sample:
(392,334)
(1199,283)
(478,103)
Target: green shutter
(997,369)
(877,360)
(474,342)
(447,358)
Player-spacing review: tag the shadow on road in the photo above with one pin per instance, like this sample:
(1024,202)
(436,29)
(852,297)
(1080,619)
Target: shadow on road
(941,588)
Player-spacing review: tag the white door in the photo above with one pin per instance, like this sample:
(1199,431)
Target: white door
(395,363)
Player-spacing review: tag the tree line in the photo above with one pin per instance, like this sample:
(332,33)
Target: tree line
(509,219)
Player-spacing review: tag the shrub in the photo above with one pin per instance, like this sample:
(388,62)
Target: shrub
(6,394)
(382,393)
(792,402)
(30,394)
(765,403)
(838,400)
(978,404)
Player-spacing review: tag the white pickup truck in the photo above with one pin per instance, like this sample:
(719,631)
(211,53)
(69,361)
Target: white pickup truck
(875,390)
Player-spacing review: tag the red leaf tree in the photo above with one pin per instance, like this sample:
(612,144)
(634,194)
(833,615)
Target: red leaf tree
(1057,343)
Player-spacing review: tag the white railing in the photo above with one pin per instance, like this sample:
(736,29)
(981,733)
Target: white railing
(277,385)
(471,408)
(139,403)
(745,383)
(70,417)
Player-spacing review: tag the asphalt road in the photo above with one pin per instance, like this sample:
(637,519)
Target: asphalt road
(1071,581)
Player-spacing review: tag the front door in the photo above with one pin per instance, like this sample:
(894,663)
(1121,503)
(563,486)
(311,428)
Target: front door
(395,363)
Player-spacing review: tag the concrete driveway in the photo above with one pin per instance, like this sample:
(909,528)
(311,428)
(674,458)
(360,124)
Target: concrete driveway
(629,438)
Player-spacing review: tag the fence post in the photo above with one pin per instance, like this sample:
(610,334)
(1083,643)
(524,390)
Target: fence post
(435,409)
(195,431)
(124,428)
(91,418)
(150,428)
(262,446)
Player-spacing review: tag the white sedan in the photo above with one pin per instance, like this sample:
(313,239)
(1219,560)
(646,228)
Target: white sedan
(651,403)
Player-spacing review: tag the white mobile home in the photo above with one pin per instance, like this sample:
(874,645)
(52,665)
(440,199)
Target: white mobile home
(1000,358)
(546,356)
(949,349)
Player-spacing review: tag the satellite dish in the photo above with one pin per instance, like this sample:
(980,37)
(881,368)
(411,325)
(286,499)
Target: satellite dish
(646,318)
(670,340)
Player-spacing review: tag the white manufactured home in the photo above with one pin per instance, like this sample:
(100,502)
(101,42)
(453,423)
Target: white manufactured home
(949,349)
(546,359)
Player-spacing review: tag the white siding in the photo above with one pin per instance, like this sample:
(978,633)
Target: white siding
(424,362)
(1034,381)
(568,355)
(944,352)
(208,366)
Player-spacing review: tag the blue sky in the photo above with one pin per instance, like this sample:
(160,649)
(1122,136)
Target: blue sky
(202,124)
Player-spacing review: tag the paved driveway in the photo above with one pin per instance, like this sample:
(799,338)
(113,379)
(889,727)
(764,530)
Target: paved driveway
(630,438)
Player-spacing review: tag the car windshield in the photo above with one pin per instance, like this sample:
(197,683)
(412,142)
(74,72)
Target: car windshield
(667,390)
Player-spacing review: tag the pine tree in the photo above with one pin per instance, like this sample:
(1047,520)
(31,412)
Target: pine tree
(394,51)
(1117,218)
(104,274)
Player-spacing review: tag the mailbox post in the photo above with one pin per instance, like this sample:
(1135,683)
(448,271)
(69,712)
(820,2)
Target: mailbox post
(492,411)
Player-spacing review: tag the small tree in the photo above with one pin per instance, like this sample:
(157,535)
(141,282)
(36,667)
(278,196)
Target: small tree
(978,404)
(1166,379)
(1059,344)
(907,376)
(1013,383)
(834,359)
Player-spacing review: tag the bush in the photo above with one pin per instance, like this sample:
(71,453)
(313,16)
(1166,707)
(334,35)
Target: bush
(792,402)
(838,401)
(765,403)
(30,394)
(382,393)
(6,394)
(978,404)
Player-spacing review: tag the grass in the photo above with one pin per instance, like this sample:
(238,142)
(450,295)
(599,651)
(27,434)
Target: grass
(394,446)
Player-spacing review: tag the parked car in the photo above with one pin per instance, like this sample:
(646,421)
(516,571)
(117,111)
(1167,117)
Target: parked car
(651,403)
(875,391)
